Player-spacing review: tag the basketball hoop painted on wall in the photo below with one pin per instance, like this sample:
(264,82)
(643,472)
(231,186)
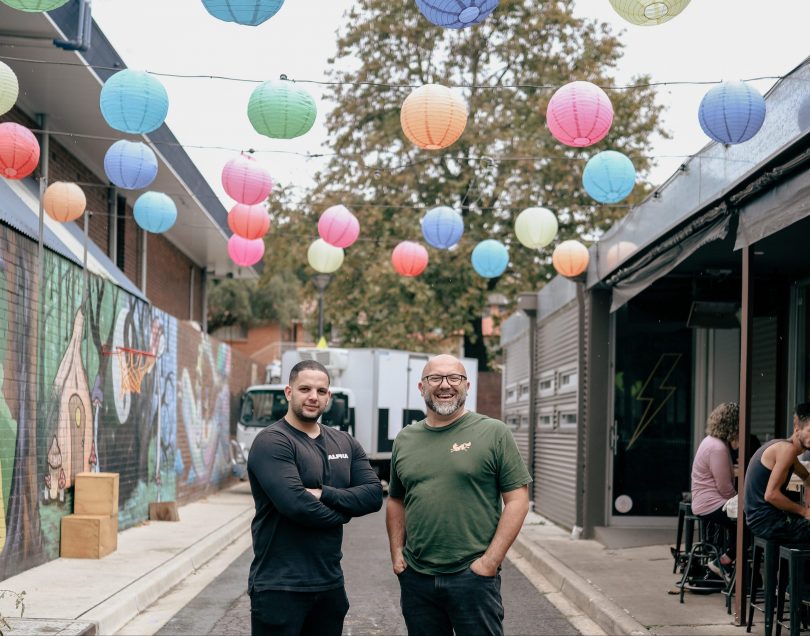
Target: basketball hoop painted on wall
(133,364)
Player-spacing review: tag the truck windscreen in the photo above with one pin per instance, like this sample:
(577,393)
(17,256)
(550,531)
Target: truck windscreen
(261,408)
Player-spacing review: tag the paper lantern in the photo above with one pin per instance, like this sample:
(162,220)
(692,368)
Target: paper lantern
(35,6)
(570,258)
(409,258)
(249,221)
(490,258)
(324,258)
(536,227)
(456,14)
(442,227)
(9,88)
(245,252)
(247,12)
(619,253)
(648,12)
(609,176)
(64,202)
(134,102)
(130,165)
(154,212)
(731,112)
(433,116)
(579,114)
(281,110)
(339,227)
(19,151)
(246,181)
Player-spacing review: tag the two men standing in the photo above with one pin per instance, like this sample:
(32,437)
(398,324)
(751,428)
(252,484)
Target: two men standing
(447,530)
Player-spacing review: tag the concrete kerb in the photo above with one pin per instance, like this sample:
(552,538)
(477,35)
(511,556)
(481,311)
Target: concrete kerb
(120,608)
(598,607)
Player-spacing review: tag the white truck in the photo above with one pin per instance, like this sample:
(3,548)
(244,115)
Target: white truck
(377,394)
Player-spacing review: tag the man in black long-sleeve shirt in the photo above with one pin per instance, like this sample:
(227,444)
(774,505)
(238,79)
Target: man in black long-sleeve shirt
(307,481)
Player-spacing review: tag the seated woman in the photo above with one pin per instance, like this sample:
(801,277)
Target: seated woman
(713,477)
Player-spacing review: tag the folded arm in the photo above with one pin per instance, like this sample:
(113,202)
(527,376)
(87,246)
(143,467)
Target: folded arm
(364,493)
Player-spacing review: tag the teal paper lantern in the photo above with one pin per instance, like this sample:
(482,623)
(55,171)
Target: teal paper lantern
(35,6)
(609,176)
(442,227)
(246,12)
(732,112)
(154,212)
(490,258)
(134,102)
(281,110)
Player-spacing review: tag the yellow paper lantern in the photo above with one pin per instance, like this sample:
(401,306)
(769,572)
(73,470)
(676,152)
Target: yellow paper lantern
(324,258)
(570,258)
(536,227)
(64,201)
(648,12)
(433,116)
(9,88)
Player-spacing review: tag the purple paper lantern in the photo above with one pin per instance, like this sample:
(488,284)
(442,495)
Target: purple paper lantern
(732,112)
(442,227)
(579,114)
(456,14)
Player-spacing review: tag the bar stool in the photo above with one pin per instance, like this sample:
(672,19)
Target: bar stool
(765,552)
(700,555)
(792,563)
(686,521)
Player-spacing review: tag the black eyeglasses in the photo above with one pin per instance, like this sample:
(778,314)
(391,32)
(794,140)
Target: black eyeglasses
(454,379)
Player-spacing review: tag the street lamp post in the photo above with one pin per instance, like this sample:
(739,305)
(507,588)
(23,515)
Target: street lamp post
(321,282)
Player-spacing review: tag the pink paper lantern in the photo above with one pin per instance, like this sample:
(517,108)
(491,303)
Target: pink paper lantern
(19,151)
(246,181)
(409,258)
(245,252)
(249,221)
(579,114)
(339,227)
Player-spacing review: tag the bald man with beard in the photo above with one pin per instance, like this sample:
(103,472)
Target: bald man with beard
(447,530)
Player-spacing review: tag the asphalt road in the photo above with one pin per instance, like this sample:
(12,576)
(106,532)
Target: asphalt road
(224,608)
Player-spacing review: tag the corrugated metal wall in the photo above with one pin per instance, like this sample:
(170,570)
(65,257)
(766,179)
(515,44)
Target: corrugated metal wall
(515,391)
(556,441)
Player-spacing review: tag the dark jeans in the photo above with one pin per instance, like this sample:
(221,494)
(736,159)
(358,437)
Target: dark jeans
(278,613)
(465,602)
(723,524)
(785,528)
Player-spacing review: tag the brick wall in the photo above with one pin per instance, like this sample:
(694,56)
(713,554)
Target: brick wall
(169,279)
(489,394)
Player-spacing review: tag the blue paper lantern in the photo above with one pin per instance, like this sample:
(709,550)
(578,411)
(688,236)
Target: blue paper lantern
(456,14)
(247,12)
(609,176)
(731,112)
(130,165)
(490,258)
(134,102)
(442,227)
(154,212)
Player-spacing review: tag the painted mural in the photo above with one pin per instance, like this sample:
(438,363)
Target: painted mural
(94,379)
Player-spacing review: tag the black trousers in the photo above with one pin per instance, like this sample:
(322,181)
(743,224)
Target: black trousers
(279,613)
(725,531)
(464,603)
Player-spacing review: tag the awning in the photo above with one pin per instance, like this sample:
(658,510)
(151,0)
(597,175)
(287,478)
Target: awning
(19,208)
(665,256)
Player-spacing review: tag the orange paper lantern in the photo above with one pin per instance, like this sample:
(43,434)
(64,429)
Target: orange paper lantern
(249,221)
(570,258)
(409,258)
(64,202)
(433,116)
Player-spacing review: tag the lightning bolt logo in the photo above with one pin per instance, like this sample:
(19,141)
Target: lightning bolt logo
(660,395)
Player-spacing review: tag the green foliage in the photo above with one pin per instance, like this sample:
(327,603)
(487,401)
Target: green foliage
(276,297)
(505,161)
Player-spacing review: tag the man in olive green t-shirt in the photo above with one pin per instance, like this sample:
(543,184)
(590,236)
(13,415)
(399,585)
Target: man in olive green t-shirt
(447,532)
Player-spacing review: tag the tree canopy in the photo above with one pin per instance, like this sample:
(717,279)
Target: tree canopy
(507,69)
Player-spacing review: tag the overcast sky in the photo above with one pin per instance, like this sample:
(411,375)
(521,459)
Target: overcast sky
(710,40)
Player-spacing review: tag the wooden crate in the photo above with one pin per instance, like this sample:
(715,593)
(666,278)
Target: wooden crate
(96,494)
(88,536)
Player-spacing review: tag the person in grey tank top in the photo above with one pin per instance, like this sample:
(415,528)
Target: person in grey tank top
(768,510)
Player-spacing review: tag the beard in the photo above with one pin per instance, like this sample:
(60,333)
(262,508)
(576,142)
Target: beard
(298,409)
(445,408)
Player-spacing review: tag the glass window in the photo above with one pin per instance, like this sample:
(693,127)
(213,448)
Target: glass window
(545,385)
(262,408)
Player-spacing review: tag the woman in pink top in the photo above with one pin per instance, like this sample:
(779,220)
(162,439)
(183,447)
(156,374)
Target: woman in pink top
(713,476)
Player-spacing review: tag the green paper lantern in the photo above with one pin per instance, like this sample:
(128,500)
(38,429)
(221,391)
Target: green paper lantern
(35,6)
(9,88)
(281,110)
